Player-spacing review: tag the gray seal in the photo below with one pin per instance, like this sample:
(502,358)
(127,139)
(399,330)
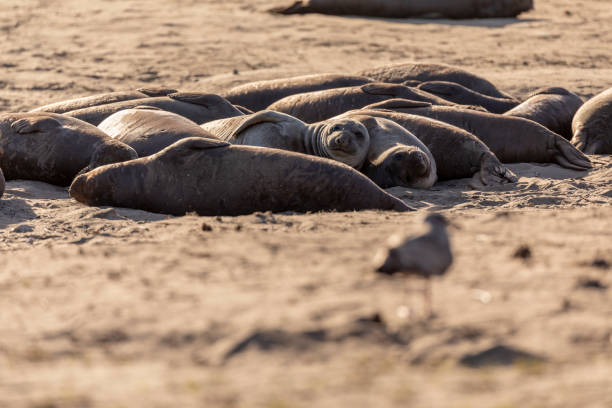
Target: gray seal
(592,125)
(259,95)
(53,148)
(512,139)
(198,107)
(398,73)
(212,177)
(102,99)
(459,94)
(553,108)
(149,130)
(344,140)
(320,105)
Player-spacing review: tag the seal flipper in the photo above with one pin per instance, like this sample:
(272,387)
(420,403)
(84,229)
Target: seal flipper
(266,116)
(296,8)
(198,98)
(381,88)
(493,172)
(398,103)
(147,107)
(569,156)
(153,92)
(439,88)
(34,124)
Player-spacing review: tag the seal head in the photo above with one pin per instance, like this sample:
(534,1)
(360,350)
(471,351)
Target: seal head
(345,140)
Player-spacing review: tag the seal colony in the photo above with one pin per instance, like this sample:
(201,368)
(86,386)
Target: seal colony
(326,142)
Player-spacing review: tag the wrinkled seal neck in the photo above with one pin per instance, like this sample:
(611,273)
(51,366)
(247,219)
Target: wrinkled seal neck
(313,141)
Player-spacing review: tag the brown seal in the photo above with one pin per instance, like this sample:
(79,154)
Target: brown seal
(459,94)
(53,148)
(198,107)
(592,125)
(102,99)
(344,140)
(398,73)
(460,9)
(320,105)
(553,108)
(512,139)
(212,177)
(149,130)
(258,95)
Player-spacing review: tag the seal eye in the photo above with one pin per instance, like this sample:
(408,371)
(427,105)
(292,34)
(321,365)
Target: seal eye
(359,135)
(336,128)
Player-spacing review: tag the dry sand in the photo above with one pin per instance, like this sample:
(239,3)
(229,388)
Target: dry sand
(104,307)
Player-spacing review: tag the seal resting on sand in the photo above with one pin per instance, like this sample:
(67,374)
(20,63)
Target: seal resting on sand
(320,105)
(553,108)
(592,125)
(418,71)
(344,140)
(149,130)
(102,99)
(410,8)
(459,94)
(513,140)
(198,107)
(212,177)
(53,148)
(259,95)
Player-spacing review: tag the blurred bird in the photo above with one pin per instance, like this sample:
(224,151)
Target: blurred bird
(426,256)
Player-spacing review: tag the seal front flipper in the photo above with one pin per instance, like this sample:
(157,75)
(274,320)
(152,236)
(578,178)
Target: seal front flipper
(198,98)
(35,124)
(266,116)
(153,92)
(492,172)
(398,103)
(296,8)
(382,89)
(568,156)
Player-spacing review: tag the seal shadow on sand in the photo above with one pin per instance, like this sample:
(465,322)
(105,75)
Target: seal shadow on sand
(482,22)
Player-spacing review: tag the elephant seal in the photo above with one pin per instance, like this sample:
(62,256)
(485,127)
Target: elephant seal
(398,73)
(320,105)
(197,107)
(344,140)
(459,9)
(457,153)
(149,130)
(259,95)
(512,139)
(53,148)
(553,108)
(102,99)
(459,94)
(396,157)
(212,177)
(2,183)
(592,125)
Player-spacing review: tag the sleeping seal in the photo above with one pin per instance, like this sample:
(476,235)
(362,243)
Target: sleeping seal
(512,139)
(344,140)
(149,130)
(320,105)
(53,148)
(102,99)
(592,125)
(259,95)
(212,177)
(553,108)
(197,107)
(459,94)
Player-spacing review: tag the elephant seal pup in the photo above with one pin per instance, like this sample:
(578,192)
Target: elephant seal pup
(424,72)
(592,125)
(396,157)
(459,94)
(512,139)
(2,183)
(149,130)
(320,105)
(197,107)
(344,140)
(212,177)
(457,153)
(102,99)
(53,148)
(413,8)
(259,95)
(553,108)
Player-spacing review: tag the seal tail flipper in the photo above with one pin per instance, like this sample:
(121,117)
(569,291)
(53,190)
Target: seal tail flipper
(569,156)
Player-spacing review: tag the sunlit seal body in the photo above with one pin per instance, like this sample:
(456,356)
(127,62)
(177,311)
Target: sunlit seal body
(259,95)
(412,8)
(344,140)
(320,105)
(457,153)
(103,99)
(197,107)
(53,148)
(592,125)
(553,108)
(512,139)
(149,130)
(459,94)
(396,157)
(212,177)
(398,73)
